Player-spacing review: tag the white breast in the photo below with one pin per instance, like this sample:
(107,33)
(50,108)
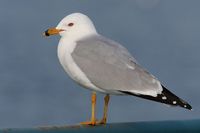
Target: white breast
(65,48)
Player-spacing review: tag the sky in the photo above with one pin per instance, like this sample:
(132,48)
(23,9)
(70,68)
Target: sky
(34,89)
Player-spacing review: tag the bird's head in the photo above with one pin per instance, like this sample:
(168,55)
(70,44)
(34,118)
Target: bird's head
(75,25)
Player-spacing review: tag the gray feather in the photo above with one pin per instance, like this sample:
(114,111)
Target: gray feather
(109,66)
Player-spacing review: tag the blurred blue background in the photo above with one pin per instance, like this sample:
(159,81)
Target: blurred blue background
(164,36)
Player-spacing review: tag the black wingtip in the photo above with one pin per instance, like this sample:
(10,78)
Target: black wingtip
(165,97)
(188,106)
(177,100)
(185,105)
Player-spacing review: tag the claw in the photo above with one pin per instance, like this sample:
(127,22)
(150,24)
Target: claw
(94,123)
(89,123)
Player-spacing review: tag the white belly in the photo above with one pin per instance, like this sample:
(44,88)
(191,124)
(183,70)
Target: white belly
(69,65)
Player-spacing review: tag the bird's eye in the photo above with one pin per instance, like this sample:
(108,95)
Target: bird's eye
(70,24)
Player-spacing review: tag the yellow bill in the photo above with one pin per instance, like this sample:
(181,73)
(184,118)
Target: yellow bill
(52,31)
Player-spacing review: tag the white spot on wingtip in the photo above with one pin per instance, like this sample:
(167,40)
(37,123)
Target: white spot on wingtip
(185,106)
(164,97)
(174,102)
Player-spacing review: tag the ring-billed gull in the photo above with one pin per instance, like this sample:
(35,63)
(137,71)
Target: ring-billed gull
(103,65)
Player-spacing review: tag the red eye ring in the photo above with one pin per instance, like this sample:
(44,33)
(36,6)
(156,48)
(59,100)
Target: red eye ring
(70,24)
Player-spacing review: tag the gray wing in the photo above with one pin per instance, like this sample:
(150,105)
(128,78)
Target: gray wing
(109,66)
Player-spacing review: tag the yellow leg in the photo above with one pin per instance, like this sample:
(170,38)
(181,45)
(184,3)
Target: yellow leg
(93,118)
(106,101)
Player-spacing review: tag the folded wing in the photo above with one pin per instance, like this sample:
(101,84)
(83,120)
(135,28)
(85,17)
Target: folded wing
(109,66)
